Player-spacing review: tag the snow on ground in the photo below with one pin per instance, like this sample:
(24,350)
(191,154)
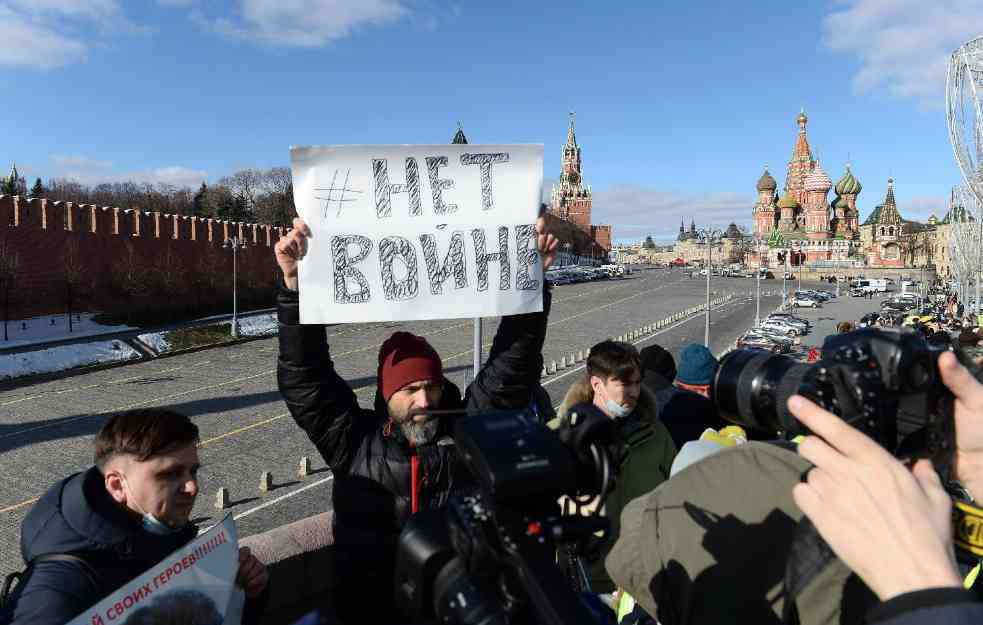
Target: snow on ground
(53,327)
(40,329)
(259,325)
(64,357)
(157,341)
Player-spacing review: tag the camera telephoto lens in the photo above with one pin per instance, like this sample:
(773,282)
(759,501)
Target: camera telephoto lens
(752,388)
(458,599)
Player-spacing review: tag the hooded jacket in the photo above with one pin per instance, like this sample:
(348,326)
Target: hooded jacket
(644,459)
(78,517)
(371,462)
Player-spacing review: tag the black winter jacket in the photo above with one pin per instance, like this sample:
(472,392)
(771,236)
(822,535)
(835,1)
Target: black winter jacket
(371,491)
(78,517)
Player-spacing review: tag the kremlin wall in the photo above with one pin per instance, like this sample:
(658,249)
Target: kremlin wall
(112,260)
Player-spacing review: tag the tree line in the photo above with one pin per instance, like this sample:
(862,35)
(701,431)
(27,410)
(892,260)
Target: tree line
(248,195)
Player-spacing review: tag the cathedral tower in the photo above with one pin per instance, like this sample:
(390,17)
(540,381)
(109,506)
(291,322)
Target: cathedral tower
(765,211)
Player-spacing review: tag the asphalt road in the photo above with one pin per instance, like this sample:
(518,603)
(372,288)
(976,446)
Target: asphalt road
(46,429)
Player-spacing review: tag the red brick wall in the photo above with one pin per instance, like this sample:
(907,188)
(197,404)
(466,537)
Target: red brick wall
(118,259)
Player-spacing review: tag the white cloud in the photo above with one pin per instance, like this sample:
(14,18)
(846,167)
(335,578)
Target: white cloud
(919,208)
(79,161)
(636,211)
(46,34)
(903,45)
(92,171)
(26,43)
(306,23)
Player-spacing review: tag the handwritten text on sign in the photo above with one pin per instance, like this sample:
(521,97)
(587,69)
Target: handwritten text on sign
(418,232)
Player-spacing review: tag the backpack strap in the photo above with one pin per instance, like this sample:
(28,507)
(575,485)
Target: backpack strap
(15,578)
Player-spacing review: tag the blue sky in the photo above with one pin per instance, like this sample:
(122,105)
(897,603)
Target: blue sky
(678,105)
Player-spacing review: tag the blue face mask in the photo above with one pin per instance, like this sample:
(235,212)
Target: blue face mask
(150,523)
(616,410)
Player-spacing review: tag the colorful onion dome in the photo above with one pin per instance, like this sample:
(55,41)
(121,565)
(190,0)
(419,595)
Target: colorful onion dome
(766,182)
(848,184)
(818,180)
(787,201)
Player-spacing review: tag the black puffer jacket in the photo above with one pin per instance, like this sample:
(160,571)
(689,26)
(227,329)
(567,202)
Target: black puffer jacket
(371,492)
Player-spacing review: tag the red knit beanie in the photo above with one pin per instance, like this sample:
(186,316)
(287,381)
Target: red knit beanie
(406,358)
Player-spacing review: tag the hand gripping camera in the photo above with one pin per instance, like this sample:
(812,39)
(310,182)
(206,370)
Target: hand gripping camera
(490,556)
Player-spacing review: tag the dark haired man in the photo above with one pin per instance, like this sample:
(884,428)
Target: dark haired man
(116,520)
(394,459)
(613,383)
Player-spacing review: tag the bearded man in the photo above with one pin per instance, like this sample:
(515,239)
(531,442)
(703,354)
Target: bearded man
(395,459)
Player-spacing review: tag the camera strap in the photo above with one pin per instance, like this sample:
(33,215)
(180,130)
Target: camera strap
(967,528)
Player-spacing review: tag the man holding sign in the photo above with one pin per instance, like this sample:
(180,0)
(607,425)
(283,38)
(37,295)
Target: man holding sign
(396,459)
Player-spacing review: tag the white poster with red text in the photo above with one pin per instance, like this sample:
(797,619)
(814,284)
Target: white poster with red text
(195,585)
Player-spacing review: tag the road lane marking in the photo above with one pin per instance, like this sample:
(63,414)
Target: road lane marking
(267,504)
(99,384)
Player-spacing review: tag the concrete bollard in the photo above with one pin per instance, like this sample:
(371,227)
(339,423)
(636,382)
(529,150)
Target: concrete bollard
(563,362)
(222,498)
(265,482)
(552,367)
(571,360)
(543,374)
(580,355)
(305,467)
(587,353)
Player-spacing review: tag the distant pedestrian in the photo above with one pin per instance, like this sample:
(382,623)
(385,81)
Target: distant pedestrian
(685,407)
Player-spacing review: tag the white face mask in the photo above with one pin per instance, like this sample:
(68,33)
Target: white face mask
(150,523)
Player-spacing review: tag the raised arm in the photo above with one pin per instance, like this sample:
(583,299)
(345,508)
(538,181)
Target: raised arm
(319,400)
(515,361)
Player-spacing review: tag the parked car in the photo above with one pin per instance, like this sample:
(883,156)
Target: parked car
(857,292)
(751,340)
(869,320)
(782,339)
(803,301)
(780,326)
(790,318)
(801,326)
(789,275)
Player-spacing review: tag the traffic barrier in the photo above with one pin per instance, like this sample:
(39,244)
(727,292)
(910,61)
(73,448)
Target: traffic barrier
(265,482)
(305,467)
(222,498)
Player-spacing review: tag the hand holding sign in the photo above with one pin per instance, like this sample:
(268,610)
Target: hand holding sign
(417,232)
(252,576)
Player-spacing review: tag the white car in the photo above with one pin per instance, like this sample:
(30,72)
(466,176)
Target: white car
(780,327)
(805,302)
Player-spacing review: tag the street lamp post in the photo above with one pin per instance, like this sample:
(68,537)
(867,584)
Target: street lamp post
(708,236)
(757,308)
(235,243)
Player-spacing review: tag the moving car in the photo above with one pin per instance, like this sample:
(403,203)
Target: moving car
(857,292)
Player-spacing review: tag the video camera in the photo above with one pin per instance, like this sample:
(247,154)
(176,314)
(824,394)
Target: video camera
(491,555)
(884,382)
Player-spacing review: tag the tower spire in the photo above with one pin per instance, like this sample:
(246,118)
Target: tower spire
(571,134)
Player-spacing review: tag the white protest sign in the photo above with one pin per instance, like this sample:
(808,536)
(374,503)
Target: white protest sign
(404,232)
(194,585)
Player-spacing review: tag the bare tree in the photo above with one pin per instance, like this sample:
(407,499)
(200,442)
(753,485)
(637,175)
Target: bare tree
(9,261)
(129,277)
(170,271)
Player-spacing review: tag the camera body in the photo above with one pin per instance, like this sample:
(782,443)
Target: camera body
(884,382)
(490,556)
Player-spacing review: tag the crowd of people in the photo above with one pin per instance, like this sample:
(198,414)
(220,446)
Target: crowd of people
(888,522)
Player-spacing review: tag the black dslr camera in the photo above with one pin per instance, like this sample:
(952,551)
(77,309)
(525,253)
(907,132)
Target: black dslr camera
(491,555)
(884,382)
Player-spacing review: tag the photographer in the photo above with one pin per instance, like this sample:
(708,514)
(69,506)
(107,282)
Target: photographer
(892,525)
(392,460)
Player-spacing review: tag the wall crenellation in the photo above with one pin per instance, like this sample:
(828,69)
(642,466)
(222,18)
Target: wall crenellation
(106,258)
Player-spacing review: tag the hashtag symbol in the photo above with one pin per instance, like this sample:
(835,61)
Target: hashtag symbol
(336,194)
